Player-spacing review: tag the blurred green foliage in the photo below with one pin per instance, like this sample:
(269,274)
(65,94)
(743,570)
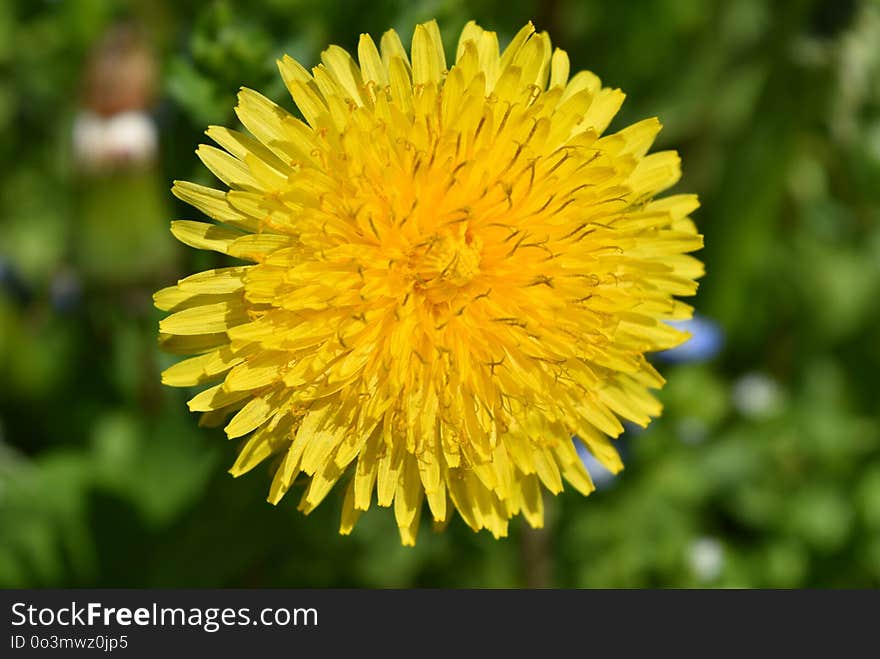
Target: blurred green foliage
(764,470)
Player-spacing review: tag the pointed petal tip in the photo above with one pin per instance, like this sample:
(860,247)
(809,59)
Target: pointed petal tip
(407,538)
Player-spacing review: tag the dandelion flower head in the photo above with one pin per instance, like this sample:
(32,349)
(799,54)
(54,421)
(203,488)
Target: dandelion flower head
(447,276)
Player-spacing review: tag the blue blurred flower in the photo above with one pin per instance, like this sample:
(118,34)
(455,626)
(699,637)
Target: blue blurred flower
(706,341)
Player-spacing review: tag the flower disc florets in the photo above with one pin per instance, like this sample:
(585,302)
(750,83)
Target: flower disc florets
(452,273)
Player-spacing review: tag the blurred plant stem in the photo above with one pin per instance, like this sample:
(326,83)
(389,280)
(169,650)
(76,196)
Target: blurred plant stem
(536,551)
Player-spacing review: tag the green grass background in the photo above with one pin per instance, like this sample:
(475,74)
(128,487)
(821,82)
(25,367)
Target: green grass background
(106,480)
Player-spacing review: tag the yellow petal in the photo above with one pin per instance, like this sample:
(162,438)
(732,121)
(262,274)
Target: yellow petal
(401,85)
(286,472)
(344,71)
(603,108)
(251,416)
(261,445)
(408,498)
(391,47)
(428,58)
(309,101)
(372,68)
(510,53)
(193,371)
(264,369)
(202,235)
(656,172)
(559,68)
(205,319)
(603,450)
(214,282)
(215,398)
(350,514)
(227,168)
(240,145)
(212,203)
(193,344)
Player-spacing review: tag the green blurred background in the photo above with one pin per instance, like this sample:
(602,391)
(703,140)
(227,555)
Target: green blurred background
(764,470)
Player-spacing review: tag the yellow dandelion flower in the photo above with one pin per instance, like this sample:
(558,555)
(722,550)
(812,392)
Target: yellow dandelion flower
(450,274)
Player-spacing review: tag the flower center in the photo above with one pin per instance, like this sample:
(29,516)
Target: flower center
(443,263)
